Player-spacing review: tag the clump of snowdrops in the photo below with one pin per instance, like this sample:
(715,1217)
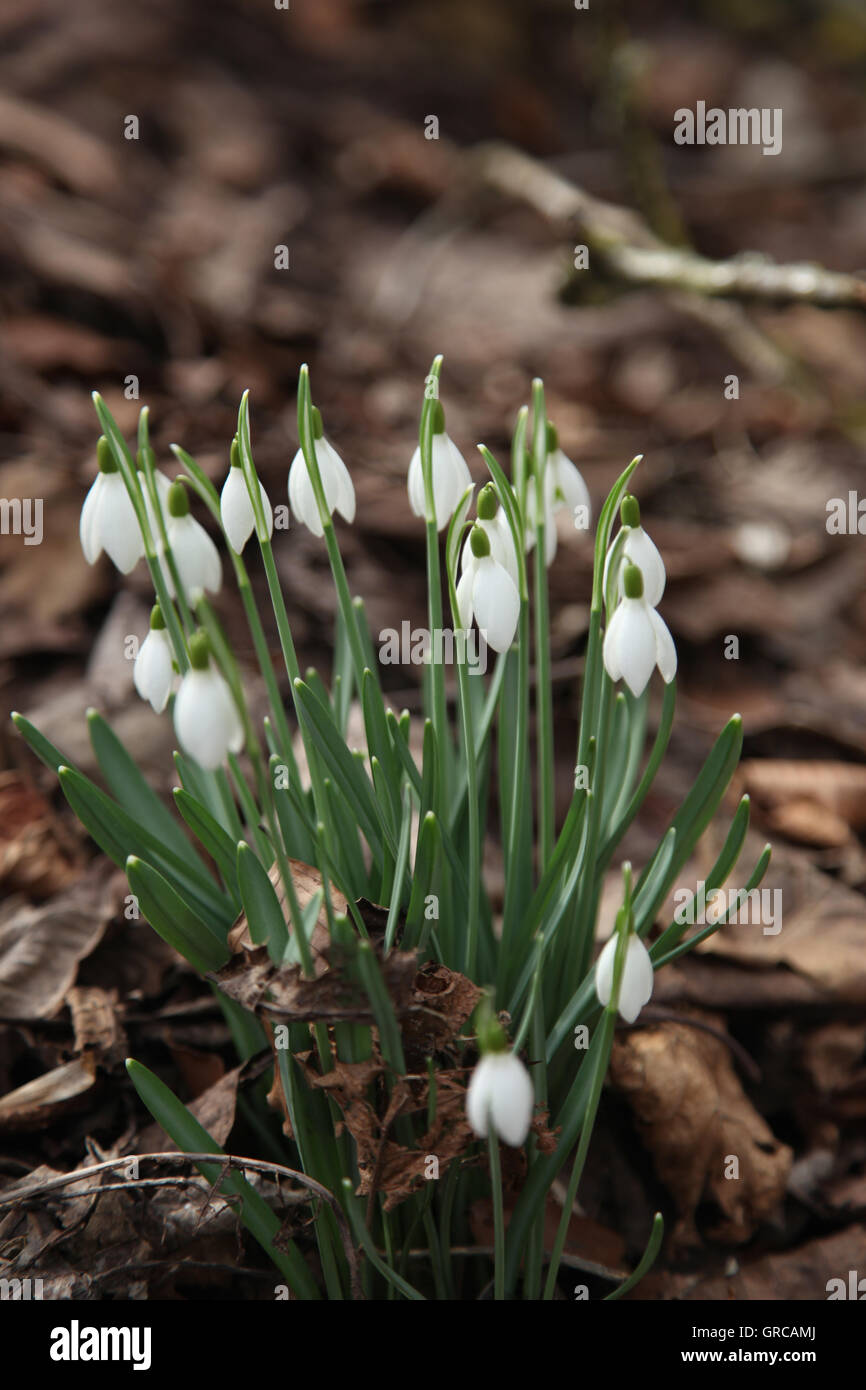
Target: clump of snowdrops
(379,825)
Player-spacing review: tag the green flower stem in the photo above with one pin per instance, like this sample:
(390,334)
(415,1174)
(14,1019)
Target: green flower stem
(306,435)
(125,464)
(470,943)
(543,685)
(608,1024)
(437,706)
(498,1214)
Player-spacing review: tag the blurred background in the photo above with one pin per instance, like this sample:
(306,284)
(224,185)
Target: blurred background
(429,170)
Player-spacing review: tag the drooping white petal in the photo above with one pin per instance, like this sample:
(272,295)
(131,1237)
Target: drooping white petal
(416,484)
(637,980)
(666,652)
(501,1093)
(196,556)
(206,719)
(236,510)
(88,530)
(451,478)
(630,644)
(636,985)
(570,487)
(496,603)
(464,591)
(336,480)
(643,552)
(152,672)
(502,546)
(117,525)
(604,971)
(302,499)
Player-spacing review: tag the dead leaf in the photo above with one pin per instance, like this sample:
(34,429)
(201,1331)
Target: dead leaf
(40,947)
(96,1024)
(39,1102)
(695,1119)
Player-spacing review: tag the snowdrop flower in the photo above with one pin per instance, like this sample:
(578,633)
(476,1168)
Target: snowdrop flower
(487,590)
(451,476)
(637,638)
(336,483)
(206,717)
(153,671)
(636,985)
(108,519)
(637,547)
(563,487)
(236,508)
(196,556)
(501,1094)
(494,524)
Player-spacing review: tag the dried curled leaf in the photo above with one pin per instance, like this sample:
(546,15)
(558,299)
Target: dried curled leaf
(708,1142)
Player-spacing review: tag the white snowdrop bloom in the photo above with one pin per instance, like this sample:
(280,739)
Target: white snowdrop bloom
(236,508)
(638,548)
(196,556)
(206,718)
(563,487)
(451,476)
(108,520)
(153,671)
(637,639)
(636,985)
(336,482)
(500,1094)
(494,524)
(487,592)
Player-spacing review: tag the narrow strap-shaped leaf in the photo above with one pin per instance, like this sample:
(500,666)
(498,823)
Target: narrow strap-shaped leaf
(119,836)
(190,1136)
(210,833)
(44,749)
(261,904)
(379,742)
(135,795)
(401,747)
(345,769)
(173,920)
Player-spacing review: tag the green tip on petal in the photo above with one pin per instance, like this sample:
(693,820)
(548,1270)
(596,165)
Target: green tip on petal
(199,651)
(104,456)
(438,418)
(488,503)
(552,438)
(629,511)
(318,427)
(178,502)
(157,621)
(632,582)
(235,453)
(479,542)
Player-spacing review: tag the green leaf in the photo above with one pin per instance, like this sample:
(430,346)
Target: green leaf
(345,769)
(219,845)
(135,796)
(119,836)
(186,1132)
(173,920)
(42,747)
(261,904)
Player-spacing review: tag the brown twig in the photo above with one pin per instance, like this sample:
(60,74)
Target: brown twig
(224,1161)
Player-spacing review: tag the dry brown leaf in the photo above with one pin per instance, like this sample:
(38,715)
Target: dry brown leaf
(838,787)
(39,1102)
(32,858)
(96,1023)
(694,1118)
(800,1274)
(40,947)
